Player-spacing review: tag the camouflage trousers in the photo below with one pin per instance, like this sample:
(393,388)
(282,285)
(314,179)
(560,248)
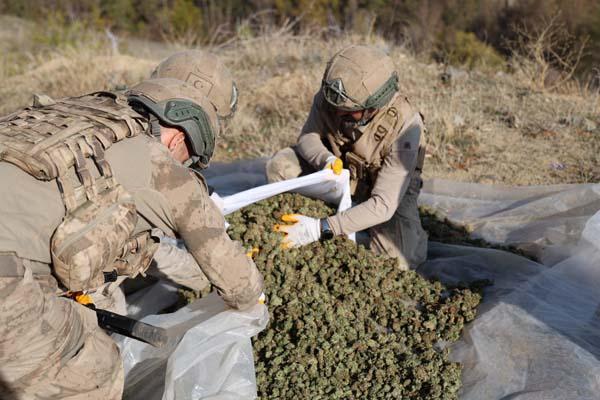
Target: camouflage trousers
(401,237)
(51,347)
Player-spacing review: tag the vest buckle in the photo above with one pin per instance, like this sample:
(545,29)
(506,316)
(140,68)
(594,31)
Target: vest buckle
(380,133)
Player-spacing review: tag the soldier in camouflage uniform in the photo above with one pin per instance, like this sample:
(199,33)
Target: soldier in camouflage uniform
(360,121)
(84,182)
(207,73)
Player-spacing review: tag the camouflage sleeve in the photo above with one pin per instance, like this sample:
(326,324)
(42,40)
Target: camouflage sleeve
(178,265)
(392,182)
(310,145)
(202,227)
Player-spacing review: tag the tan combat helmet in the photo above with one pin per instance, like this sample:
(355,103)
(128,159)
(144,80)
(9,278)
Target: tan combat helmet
(175,103)
(359,78)
(205,72)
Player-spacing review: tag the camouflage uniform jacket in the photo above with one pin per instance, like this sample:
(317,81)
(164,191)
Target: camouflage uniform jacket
(398,168)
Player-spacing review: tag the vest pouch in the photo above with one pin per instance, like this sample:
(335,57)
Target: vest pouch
(92,237)
(360,177)
(357,167)
(136,256)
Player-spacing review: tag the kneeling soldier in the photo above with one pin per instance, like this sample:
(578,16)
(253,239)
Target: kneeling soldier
(360,121)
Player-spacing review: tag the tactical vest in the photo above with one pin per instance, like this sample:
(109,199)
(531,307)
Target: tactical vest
(66,141)
(364,157)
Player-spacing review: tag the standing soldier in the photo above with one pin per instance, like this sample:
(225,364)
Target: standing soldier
(84,181)
(359,120)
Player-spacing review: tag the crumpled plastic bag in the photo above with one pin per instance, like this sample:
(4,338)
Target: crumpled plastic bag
(208,354)
(323,185)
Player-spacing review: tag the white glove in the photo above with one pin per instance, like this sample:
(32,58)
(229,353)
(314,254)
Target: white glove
(335,164)
(304,230)
(218,200)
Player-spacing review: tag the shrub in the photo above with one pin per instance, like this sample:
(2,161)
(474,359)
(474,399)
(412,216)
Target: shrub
(467,50)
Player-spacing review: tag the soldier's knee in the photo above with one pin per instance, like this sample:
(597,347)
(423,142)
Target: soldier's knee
(401,238)
(273,172)
(283,165)
(73,355)
(96,370)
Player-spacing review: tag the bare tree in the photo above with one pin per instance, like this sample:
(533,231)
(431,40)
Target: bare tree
(547,54)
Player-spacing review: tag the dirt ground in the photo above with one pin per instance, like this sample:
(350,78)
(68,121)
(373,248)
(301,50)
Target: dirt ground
(482,127)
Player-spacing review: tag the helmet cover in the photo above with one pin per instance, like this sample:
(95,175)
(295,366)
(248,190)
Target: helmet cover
(359,78)
(205,72)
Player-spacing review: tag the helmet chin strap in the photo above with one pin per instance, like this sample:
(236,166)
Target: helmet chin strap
(365,118)
(154,126)
(194,161)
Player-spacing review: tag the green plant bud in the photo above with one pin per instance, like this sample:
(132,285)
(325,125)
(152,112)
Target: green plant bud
(346,323)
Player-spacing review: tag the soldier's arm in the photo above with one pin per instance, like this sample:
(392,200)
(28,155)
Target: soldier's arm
(310,145)
(202,227)
(391,184)
(178,265)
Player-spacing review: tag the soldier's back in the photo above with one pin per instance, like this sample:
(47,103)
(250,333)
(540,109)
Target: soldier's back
(32,208)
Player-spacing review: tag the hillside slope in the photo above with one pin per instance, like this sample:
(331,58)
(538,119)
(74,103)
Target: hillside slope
(481,127)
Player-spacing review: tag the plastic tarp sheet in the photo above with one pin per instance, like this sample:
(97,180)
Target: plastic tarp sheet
(537,334)
(545,221)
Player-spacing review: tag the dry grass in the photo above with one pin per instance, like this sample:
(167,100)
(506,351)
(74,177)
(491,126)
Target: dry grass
(71,73)
(491,129)
(29,65)
(482,128)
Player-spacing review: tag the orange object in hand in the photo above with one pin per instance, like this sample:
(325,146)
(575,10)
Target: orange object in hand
(335,164)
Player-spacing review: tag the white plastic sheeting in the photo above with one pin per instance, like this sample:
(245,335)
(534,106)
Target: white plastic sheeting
(324,185)
(537,335)
(545,221)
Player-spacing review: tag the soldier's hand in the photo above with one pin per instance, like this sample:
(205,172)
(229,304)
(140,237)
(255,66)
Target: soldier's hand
(302,231)
(335,164)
